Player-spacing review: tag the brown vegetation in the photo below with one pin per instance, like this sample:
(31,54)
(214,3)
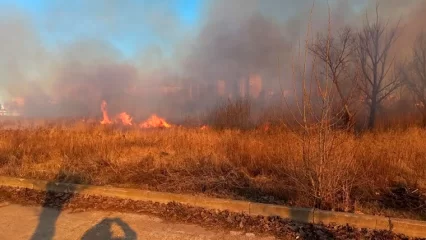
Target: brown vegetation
(259,165)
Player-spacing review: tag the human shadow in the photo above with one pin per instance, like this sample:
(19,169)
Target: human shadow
(402,197)
(56,197)
(104,230)
(305,227)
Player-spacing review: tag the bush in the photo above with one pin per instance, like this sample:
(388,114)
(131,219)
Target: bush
(231,115)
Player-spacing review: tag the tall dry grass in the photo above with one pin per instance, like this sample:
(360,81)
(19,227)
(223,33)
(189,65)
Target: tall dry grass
(231,115)
(259,165)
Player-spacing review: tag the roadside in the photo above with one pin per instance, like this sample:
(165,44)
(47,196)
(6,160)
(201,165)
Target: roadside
(19,222)
(257,166)
(178,213)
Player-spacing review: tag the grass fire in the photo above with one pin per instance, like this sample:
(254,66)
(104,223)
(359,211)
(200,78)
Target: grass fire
(280,102)
(123,118)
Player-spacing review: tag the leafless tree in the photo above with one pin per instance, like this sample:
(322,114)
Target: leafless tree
(373,49)
(414,74)
(336,53)
(325,170)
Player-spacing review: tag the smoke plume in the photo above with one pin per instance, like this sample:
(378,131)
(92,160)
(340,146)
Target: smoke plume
(171,69)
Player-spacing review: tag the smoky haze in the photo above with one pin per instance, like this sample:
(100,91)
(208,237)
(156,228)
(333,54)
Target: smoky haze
(231,41)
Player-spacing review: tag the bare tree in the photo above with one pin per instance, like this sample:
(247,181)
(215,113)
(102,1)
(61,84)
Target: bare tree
(374,44)
(325,170)
(414,74)
(337,55)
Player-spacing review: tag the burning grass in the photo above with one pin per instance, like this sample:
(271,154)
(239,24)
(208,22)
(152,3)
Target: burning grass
(266,166)
(126,120)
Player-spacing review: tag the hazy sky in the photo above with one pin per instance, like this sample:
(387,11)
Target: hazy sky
(42,42)
(129,25)
(123,23)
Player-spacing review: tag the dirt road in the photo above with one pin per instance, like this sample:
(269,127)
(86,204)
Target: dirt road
(30,222)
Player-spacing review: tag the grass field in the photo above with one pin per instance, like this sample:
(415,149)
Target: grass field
(378,173)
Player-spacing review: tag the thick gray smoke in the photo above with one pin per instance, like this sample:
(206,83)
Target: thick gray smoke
(233,40)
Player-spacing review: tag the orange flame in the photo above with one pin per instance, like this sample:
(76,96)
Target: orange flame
(154,122)
(105,119)
(204,127)
(266,126)
(125,118)
(420,105)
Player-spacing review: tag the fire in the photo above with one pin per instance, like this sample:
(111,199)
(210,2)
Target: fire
(266,126)
(105,116)
(154,122)
(420,105)
(125,119)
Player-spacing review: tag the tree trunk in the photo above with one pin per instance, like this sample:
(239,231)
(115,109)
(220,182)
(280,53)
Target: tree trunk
(348,121)
(424,118)
(235,91)
(373,111)
(247,88)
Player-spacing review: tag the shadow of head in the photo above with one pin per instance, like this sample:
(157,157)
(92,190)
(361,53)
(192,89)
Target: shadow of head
(61,190)
(110,229)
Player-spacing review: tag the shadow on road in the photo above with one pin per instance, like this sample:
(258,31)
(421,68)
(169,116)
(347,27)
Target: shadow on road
(304,227)
(110,229)
(53,205)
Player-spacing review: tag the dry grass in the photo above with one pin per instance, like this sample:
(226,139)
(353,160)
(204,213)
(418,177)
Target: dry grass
(231,115)
(257,165)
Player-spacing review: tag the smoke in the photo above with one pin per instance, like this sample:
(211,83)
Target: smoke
(21,54)
(127,52)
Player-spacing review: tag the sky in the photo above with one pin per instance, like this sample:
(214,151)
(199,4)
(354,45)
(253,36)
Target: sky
(58,22)
(61,21)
